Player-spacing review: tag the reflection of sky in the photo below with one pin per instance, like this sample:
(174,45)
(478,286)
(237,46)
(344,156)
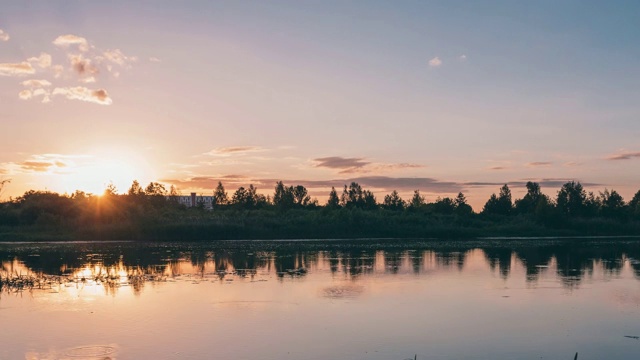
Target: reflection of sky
(445,309)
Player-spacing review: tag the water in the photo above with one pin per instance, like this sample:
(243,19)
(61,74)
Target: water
(491,299)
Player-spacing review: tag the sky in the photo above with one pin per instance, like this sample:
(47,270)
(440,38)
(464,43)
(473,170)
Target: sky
(439,96)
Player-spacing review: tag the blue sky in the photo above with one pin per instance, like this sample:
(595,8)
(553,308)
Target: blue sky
(459,93)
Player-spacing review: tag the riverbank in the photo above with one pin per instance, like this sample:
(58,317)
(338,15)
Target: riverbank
(314,224)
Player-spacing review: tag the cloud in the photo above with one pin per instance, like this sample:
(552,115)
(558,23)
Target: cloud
(572,163)
(41,166)
(383,183)
(25,94)
(435,62)
(4,36)
(463,57)
(82,65)
(624,156)
(116,56)
(36,83)
(232,150)
(359,165)
(82,93)
(18,69)
(88,80)
(154,59)
(498,168)
(337,162)
(43,61)
(57,71)
(68,40)
(539,163)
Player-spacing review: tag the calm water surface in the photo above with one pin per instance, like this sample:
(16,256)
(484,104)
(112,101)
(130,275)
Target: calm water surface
(520,299)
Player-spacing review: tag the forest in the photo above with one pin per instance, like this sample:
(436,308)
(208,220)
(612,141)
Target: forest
(154,213)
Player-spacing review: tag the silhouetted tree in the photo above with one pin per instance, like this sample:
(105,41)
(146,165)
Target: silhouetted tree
(334,201)
(248,198)
(369,200)
(611,203)
(417,201)
(3,183)
(500,205)
(283,196)
(462,208)
(446,206)
(220,195)
(528,203)
(393,201)
(300,195)
(135,189)
(571,199)
(634,205)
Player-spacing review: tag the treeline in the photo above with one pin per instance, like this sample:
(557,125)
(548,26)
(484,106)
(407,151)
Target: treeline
(154,212)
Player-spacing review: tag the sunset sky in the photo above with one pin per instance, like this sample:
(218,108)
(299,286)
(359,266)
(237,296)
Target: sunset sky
(440,96)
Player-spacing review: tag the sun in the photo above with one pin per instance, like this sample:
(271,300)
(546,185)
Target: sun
(94,173)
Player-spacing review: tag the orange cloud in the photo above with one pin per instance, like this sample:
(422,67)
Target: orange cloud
(72,40)
(17,69)
(83,94)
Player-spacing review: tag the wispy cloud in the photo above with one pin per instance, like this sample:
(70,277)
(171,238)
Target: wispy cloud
(116,56)
(498,168)
(337,162)
(234,150)
(435,62)
(624,155)
(462,57)
(41,163)
(4,36)
(359,165)
(17,69)
(36,83)
(154,59)
(99,96)
(539,164)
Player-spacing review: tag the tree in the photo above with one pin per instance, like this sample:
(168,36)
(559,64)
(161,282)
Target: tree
(283,196)
(571,199)
(3,183)
(110,190)
(155,189)
(444,205)
(611,203)
(248,198)
(417,201)
(634,205)
(135,189)
(369,200)
(300,195)
(462,208)
(334,201)
(220,195)
(501,204)
(528,203)
(393,201)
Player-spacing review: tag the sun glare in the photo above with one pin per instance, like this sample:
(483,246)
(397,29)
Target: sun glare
(96,173)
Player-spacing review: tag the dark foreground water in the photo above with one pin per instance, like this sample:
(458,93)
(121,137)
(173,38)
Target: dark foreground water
(517,299)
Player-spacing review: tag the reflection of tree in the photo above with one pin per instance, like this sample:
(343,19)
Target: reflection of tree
(448,258)
(500,257)
(112,265)
(535,260)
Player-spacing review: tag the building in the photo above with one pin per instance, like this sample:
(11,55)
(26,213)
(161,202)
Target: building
(194,200)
